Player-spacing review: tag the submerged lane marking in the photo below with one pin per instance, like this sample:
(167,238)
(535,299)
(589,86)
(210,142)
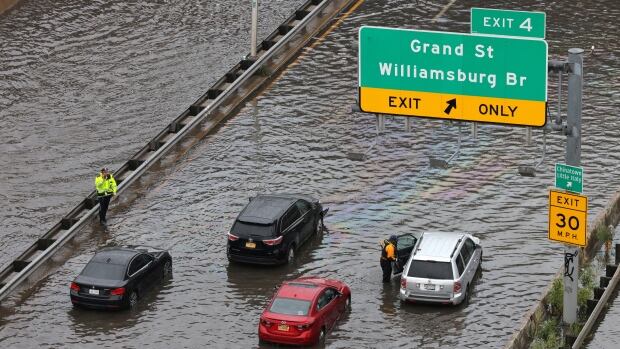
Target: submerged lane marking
(443,10)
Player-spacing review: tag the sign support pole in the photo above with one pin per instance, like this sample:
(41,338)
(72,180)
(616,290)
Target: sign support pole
(573,158)
(254,28)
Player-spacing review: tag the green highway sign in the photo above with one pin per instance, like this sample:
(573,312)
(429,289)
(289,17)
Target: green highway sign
(508,23)
(453,76)
(569,178)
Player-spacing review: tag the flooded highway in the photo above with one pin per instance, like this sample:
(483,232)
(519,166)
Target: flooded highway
(295,136)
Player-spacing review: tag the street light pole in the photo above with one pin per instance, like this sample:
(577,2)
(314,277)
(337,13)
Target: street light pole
(573,158)
(254,27)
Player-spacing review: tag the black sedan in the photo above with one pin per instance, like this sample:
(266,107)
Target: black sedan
(116,277)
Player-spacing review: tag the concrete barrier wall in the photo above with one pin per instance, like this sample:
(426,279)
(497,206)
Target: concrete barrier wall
(6,4)
(524,335)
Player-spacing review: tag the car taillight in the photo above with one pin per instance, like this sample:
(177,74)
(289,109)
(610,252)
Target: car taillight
(403,283)
(75,287)
(272,242)
(304,327)
(457,287)
(117,291)
(232,237)
(265,322)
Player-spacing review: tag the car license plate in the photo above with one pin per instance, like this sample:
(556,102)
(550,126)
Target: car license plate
(92,291)
(429,287)
(283,327)
(250,244)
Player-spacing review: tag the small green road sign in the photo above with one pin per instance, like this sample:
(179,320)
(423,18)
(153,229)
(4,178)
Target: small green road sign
(569,178)
(508,23)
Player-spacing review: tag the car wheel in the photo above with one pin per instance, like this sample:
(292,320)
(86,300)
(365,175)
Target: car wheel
(319,227)
(167,269)
(290,255)
(133,299)
(322,336)
(467,295)
(348,303)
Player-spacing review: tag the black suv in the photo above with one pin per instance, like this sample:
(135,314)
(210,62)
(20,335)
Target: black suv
(271,227)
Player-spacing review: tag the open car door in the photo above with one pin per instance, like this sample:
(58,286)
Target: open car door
(404,246)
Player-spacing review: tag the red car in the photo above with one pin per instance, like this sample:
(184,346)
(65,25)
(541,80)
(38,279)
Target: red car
(304,310)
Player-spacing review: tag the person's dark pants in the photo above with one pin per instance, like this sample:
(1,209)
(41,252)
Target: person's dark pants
(104,202)
(386,266)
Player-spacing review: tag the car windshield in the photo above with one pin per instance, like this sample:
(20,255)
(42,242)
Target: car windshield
(289,306)
(108,271)
(431,270)
(252,229)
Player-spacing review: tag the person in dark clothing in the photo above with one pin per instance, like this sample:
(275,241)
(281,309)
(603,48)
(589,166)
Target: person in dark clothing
(388,255)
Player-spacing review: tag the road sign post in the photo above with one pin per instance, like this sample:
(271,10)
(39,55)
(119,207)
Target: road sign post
(573,158)
(454,76)
(508,22)
(254,29)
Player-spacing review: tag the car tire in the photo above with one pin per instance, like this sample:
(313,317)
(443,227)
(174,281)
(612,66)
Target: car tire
(167,269)
(132,301)
(347,304)
(290,255)
(322,336)
(319,227)
(467,295)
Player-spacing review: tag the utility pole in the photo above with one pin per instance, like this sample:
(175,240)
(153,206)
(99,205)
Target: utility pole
(254,28)
(573,158)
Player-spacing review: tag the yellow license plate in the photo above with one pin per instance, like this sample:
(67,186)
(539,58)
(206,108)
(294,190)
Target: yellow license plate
(250,244)
(283,327)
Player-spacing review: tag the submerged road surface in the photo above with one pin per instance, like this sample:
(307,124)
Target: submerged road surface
(295,137)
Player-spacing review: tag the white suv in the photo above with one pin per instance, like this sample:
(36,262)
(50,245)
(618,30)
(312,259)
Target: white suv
(441,269)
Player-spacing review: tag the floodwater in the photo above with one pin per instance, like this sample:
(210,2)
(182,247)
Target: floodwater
(605,333)
(90,73)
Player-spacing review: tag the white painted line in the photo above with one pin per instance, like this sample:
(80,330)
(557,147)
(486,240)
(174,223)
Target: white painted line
(444,9)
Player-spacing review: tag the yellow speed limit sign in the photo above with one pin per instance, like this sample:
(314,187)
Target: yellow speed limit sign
(568,217)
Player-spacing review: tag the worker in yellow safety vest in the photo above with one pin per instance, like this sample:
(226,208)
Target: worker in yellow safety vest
(388,255)
(106,187)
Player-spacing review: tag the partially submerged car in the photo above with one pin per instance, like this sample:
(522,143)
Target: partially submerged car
(441,269)
(303,311)
(271,228)
(117,277)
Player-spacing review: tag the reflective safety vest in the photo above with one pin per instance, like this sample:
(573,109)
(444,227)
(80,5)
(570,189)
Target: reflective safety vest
(388,252)
(105,186)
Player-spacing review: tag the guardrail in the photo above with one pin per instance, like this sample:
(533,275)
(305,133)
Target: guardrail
(229,91)
(601,302)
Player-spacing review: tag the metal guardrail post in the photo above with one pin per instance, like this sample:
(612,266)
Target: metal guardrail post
(587,327)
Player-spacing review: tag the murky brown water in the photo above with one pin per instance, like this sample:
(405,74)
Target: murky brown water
(294,136)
